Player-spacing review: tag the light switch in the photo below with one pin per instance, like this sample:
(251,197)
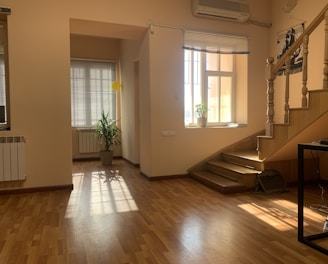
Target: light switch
(168,133)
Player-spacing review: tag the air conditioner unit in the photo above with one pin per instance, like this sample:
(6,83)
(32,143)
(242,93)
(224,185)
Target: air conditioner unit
(232,10)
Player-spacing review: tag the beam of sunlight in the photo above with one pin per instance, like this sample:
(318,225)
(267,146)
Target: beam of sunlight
(309,213)
(99,193)
(272,216)
(282,214)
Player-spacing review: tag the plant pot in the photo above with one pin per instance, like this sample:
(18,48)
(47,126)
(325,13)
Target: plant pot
(106,157)
(201,121)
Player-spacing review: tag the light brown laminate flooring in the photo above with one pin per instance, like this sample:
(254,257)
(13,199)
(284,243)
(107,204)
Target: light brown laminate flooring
(129,219)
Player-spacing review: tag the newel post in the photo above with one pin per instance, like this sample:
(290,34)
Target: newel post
(325,59)
(270,96)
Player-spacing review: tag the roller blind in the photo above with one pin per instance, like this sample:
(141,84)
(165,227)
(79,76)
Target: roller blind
(215,43)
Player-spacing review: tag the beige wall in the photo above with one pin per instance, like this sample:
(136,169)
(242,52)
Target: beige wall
(39,46)
(98,48)
(130,100)
(160,89)
(144,107)
(174,155)
(40,95)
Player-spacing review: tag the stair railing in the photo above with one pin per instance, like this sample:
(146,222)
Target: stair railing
(272,69)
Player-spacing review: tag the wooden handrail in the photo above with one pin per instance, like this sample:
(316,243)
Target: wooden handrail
(299,40)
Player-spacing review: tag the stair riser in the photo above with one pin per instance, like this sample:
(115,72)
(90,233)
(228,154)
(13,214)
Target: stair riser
(232,175)
(222,189)
(250,181)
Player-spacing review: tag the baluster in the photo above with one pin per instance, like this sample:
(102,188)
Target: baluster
(286,116)
(325,60)
(270,96)
(305,71)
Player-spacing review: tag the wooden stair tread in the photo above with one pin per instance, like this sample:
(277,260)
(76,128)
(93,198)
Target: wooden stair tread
(245,154)
(233,167)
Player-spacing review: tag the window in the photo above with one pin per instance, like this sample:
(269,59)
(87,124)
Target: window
(91,91)
(210,76)
(4,75)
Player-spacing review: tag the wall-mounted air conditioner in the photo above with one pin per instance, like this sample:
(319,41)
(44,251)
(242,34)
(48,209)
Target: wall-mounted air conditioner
(232,10)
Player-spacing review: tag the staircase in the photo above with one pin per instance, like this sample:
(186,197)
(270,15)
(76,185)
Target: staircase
(235,168)
(230,172)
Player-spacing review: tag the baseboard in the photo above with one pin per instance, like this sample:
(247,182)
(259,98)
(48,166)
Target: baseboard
(92,158)
(68,187)
(86,159)
(137,165)
(168,177)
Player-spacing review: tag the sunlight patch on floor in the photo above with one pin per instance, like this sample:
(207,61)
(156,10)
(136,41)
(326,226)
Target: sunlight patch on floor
(310,213)
(108,194)
(272,216)
(282,214)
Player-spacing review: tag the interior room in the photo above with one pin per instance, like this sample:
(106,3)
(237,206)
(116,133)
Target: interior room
(267,95)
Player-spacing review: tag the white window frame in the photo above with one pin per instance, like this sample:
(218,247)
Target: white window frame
(207,43)
(203,75)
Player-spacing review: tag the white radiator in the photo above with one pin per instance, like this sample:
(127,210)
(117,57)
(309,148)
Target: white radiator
(12,159)
(88,142)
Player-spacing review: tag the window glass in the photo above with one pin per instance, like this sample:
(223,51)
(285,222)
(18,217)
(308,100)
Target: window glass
(2,90)
(91,91)
(197,76)
(4,75)
(209,80)
(226,99)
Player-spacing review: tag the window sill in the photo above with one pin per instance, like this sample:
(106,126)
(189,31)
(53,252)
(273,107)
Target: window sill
(228,125)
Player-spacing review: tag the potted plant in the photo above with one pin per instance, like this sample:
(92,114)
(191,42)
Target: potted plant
(109,135)
(201,111)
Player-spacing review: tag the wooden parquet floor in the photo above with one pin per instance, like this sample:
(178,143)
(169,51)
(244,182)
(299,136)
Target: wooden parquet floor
(129,219)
